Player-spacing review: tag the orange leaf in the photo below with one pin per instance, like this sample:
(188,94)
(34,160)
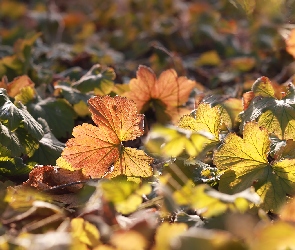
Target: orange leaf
(98,151)
(118,115)
(167,92)
(14,87)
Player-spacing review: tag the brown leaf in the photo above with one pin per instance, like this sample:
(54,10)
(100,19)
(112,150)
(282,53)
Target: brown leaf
(48,177)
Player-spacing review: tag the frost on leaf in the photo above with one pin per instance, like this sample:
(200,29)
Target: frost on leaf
(98,150)
(245,162)
(165,94)
(273,111)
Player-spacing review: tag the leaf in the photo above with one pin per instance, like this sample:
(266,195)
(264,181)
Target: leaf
(47,177)
(14,87)
(172,141)
(13,117)
(166,233)
(13,166)
(202,238)
(19,131)
(125,195)
(58,114)
(277,116)
(99,79)
(96,149)
(278,235)
(208,202)
(245,162)
(49,147)
(205,119)
(165,93)
(84,232)
(209,58)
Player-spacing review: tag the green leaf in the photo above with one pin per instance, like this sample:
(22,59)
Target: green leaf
(125,195)
(14,117)
(72,95)
(209,202)
(245,162)
(277,116)
(99,79)
(49,147)
(19,131)
(12,166)
(58,114)
(172,141)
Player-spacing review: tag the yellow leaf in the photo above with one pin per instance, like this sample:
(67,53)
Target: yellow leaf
(245,162)
(167,232)
(209,58)
(85,232)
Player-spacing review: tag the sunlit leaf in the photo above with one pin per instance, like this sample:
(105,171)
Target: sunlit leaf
(165,93)
(85,232)
(205,119)
(125,195)
(96,148)
(166,233)
(14,87)
(279,235)
(13,117)
(202,238)
(245,162)
(209,202)
(98,79)
(126,240)
(172,141)
(276,115)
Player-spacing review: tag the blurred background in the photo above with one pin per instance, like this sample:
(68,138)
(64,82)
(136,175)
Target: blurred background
(218,42)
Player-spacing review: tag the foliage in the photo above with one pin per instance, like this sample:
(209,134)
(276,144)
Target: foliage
(147,124)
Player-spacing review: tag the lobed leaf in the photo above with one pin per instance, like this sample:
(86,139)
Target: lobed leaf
(99,150)
(165,93)
(245,162)
(276,115)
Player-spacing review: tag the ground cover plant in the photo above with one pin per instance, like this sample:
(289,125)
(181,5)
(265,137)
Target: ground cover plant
(147,124)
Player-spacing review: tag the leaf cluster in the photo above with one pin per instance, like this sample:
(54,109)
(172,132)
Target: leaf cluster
(186,150)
